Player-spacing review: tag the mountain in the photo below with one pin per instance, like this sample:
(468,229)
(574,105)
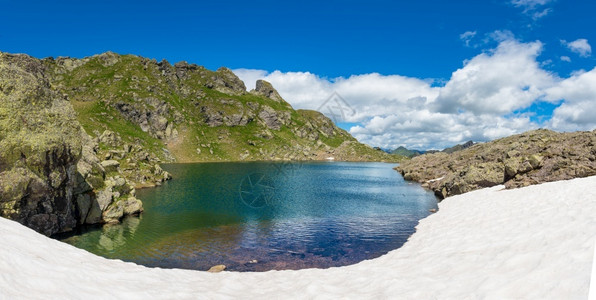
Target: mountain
(403,151)
(530,158)
(77,136)
(459,147)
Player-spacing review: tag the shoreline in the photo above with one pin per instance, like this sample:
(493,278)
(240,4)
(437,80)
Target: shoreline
(533,242)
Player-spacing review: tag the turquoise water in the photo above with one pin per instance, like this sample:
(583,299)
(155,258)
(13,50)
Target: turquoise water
(265,216)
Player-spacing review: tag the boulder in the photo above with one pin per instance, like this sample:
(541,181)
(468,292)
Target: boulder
(110,138)
(113,213)
(132,206)
(110,165)
(105,197)
(216,269)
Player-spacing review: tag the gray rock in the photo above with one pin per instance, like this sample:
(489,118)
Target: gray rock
(113,213)
(211,117)
(110,165)
(225,81)
(94,215)
(110,138)
(270,117)
(108,59)
(265,88)
(132,206)
(83,206)
(105,198)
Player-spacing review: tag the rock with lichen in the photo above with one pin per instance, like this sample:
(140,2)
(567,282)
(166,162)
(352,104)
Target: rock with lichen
(51,179)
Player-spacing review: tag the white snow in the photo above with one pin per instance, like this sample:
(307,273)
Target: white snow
(530,243)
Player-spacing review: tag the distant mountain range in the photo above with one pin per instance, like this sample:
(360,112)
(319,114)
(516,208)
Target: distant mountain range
(412,153)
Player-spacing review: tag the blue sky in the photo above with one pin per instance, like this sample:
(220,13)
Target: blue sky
(406,67)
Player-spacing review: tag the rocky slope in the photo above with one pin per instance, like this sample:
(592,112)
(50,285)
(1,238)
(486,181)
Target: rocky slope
(77,136)
(530,158)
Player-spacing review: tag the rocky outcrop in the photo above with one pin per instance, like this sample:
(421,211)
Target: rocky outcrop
(39,148)
(225,81)
(271,118)
(265,89)
(530,158)
(151,116)
(51,179)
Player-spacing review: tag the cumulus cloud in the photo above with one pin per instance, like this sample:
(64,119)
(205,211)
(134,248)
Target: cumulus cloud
(565,58)
(369,93)
(501,81)
(579,46)
(487,98)
(579,95)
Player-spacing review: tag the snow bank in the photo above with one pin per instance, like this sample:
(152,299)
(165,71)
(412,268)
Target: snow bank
(533,243)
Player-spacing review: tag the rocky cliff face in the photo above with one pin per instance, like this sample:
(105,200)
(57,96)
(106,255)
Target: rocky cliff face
(49,173)
(530,158)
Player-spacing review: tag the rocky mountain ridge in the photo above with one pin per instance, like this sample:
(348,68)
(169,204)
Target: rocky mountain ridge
(530,158)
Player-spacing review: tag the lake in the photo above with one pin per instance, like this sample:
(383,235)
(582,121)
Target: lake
(261,216)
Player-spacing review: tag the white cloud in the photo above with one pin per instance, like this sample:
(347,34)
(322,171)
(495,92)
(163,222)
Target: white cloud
(579,95)
(533,8)
(500,36)
(530,3)
(499,82)
(541,13)
(579,46)
(481,101)
(565,58)
(467,37)
(250,76)
(369,93)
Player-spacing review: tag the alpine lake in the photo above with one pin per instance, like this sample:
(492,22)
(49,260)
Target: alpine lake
(260,216)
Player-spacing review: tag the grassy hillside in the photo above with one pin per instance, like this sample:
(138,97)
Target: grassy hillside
(186,113)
